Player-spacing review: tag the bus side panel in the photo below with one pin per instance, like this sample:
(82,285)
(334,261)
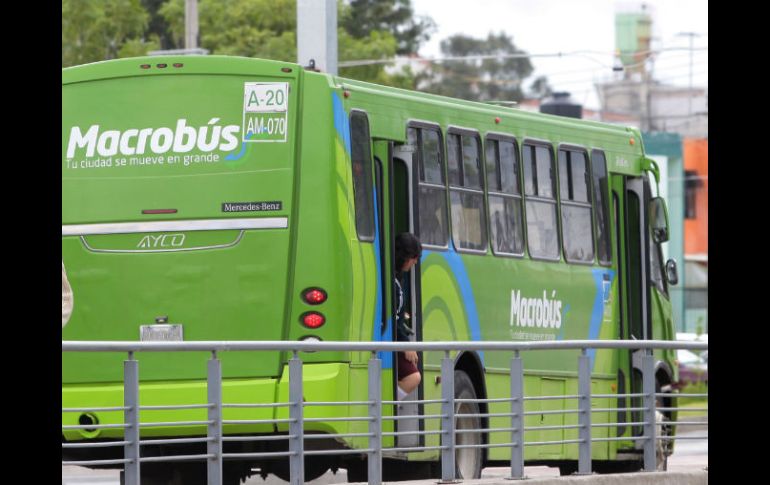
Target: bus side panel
(327,251)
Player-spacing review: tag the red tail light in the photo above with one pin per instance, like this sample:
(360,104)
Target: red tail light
(313,319)
(314,296)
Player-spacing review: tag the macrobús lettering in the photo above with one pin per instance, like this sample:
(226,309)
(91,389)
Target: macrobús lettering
(159,140)
(535,312)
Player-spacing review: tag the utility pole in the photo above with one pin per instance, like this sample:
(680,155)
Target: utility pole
(317,34)
(649,79)
(191,24)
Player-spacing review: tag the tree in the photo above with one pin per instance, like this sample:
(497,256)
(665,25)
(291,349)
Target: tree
(394,16)
(157,24)
(540,88)
(96,30)
(482,79)
(377,45)
(267,29)
(249,28)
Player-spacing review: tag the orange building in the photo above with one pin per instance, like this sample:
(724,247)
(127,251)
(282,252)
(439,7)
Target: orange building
(696,231)
(696,221)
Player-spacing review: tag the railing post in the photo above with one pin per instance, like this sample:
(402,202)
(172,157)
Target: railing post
(131,418)
(214,387)
(584,416)
(375,425)
(296,427)
(648,388)
(448,421)
(517,418)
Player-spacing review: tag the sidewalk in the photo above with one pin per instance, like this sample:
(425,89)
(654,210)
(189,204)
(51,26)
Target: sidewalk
(653,478)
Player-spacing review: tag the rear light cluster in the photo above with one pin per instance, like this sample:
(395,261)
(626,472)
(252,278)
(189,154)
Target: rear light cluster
(313,319)
(313,296)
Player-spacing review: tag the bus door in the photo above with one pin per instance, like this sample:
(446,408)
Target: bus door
(383,200)
(637,290)
(403,219)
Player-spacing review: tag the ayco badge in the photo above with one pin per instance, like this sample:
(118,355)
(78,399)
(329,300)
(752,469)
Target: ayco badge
(167,241)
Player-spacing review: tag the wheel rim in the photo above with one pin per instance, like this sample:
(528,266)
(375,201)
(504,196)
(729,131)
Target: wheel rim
(662,446)
(467,460)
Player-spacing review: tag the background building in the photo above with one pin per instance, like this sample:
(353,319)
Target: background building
(696,225)
(666,150)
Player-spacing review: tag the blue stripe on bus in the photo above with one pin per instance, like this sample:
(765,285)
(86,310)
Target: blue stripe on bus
(379,335)
(341,122)
(455,262)
(602,296)
(232,156)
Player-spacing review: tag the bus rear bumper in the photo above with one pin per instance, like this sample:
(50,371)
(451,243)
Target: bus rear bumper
(326,382)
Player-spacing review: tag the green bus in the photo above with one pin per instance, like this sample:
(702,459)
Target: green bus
(224,198)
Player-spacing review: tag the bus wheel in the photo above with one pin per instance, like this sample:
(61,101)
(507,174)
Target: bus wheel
(187,474)
(468,461)
(568,468)
(663,448)
(314,468)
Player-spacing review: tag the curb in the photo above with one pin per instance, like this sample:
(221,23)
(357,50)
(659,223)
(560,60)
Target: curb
(648,478)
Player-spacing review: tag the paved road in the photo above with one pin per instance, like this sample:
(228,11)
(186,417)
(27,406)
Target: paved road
(689,455)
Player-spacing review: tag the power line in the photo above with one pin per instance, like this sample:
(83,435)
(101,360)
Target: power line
(692,36)
(592,69)
(518,55)
(573,82)
(593,79)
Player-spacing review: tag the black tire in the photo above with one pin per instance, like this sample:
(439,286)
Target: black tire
(173,474)
(620,466)
(568,468)
(663,448)
(314,468)
(468,461)
(187,474)
(358,470)
(392,470)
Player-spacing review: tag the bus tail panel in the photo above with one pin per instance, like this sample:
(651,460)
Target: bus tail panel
(177,190)
(214,294)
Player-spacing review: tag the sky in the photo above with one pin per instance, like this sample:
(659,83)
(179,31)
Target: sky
(570,26)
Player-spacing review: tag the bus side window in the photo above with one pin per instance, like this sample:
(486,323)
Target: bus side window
(431,197)
(540,202)
(505,217)
(465,191)
(576,220)
(601,207)
(361,165)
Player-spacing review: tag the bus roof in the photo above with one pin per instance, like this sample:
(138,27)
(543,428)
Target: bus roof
(621,138)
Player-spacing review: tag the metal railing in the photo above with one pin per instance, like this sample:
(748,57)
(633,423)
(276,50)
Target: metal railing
(214,456)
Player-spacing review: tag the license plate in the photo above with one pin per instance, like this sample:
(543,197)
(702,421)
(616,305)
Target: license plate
(161,333)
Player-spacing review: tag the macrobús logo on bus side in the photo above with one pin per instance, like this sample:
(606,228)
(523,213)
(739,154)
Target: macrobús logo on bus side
(537,312)
(182,139)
